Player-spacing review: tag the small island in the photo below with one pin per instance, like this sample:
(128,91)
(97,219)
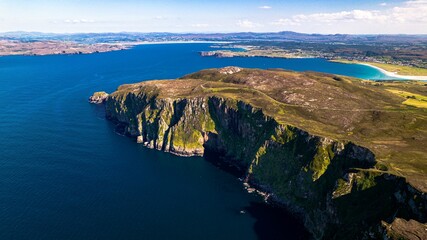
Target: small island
(344,154)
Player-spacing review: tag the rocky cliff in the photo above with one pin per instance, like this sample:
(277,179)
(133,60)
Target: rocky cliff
(338,187)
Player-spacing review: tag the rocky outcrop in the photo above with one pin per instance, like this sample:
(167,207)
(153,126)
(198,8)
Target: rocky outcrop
(229,70)
(337,187)
(98,97)
(403,229)
(207,53)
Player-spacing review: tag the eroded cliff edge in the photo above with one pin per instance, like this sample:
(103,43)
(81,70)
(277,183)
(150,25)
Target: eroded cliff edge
(281,144)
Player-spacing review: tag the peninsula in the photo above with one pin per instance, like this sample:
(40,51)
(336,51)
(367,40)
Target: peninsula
(251,51)
(15,47)
(346,155)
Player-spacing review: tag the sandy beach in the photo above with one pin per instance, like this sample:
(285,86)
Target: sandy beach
(395,75)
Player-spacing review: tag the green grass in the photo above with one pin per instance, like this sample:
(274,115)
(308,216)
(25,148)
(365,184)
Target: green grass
(412,99)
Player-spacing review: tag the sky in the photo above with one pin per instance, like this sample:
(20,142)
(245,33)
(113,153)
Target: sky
(183,16)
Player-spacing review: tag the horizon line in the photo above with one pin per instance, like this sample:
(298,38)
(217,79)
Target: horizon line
(231,32)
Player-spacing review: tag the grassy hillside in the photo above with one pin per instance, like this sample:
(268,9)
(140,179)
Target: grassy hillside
(389,118)
(338,151)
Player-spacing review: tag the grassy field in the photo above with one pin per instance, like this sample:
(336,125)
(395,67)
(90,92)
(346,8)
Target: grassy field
(401,70)
(412,99)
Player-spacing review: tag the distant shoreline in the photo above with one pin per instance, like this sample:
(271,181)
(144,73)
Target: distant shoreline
(43,48)
(170,42)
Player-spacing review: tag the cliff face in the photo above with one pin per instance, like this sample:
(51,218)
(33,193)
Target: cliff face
(337,187)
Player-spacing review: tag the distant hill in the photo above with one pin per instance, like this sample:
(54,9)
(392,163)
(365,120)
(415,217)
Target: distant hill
(239,36)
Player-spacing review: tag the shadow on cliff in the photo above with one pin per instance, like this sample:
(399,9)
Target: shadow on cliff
(275,223)
(271,222)
(220,161)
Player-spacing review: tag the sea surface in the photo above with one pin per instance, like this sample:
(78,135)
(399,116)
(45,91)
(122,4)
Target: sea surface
(65,173)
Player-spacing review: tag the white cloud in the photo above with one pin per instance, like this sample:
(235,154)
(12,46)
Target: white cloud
(77,21)
(346,16)
(247,24)
(383,4)
(411,11)
(265,7)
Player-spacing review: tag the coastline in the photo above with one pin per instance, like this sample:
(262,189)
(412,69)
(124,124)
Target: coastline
(395,75)
(172,42)
(71,48)
(385,72)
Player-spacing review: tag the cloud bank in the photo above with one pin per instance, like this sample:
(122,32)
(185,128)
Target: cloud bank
(410,12)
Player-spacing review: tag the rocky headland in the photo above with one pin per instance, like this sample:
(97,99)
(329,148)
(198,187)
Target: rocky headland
(98,97)
(347,156)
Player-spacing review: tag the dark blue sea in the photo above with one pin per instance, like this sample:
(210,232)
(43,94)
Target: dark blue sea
(65,173)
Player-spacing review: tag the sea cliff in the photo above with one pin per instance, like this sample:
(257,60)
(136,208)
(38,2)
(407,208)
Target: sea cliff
(337,186)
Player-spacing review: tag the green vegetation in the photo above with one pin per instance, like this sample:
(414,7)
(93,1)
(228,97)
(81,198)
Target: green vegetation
(365,180)
(412,99)
(370,49)
(187,138)
(321,161)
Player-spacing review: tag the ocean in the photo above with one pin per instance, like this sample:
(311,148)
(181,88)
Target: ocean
(65,173)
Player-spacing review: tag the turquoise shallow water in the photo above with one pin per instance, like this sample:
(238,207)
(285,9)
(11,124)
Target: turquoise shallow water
(65,174)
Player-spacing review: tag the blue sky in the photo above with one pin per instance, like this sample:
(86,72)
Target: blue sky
(309,16)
